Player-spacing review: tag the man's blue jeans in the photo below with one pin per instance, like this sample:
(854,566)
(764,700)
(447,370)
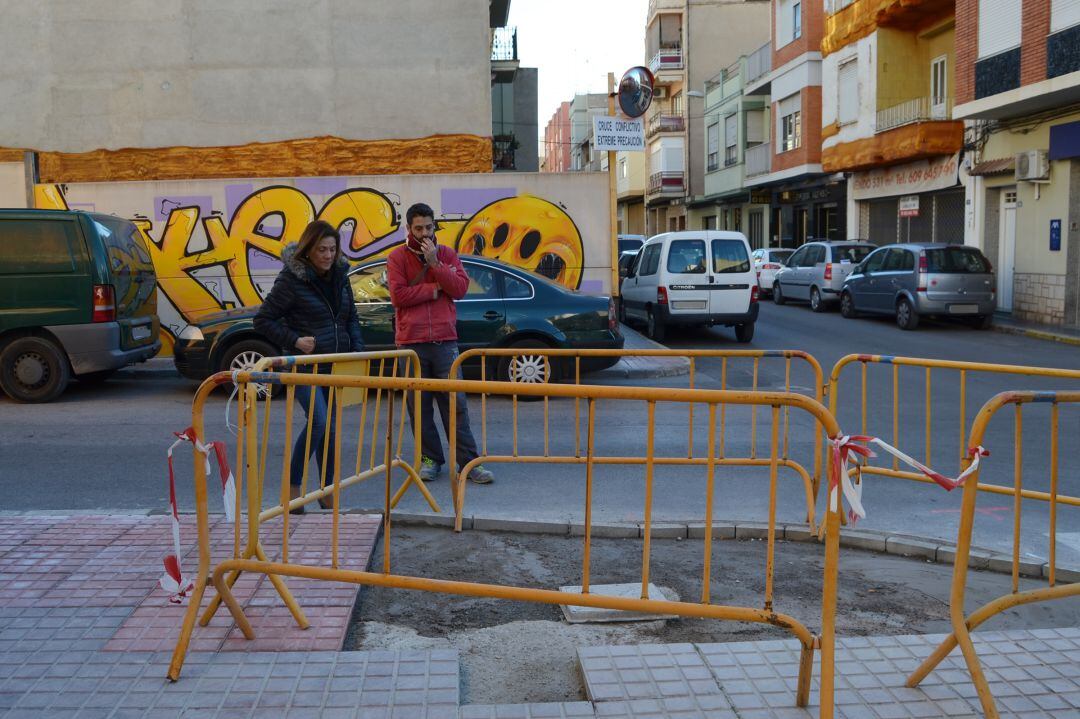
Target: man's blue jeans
(436,358)
(319,414)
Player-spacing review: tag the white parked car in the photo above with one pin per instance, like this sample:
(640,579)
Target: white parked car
(766,263)
(696,277)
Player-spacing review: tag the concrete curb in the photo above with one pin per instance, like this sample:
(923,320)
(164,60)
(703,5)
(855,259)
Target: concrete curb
(662,366)
(1036,334)
(900,545)
(155,367)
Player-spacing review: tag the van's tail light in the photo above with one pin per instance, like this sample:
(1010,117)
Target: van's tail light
(828,270)
(104,304)
(612,317)
(754,294)
(924,267)
(661,295)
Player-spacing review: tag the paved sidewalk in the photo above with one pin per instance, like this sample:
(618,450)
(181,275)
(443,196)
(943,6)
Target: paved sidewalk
(86,632)
(1054,333)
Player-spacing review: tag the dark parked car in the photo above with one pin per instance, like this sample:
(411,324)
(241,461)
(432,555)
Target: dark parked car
(505,307)
(78,296)
(914,280)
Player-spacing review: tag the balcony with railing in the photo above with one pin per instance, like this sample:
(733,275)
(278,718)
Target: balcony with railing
(759,63)
(666,183)
(758,159)
(920,109)
(666,59)
(504,46)
(659,122)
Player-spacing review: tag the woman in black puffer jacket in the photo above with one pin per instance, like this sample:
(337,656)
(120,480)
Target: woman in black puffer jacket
(311,309)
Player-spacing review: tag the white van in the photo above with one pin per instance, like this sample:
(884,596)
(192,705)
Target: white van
(694,277)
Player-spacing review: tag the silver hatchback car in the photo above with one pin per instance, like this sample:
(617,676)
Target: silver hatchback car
(816,272)
(914,280)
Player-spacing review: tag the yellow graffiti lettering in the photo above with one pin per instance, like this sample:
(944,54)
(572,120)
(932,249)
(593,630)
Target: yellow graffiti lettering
(372,214)
(229,247)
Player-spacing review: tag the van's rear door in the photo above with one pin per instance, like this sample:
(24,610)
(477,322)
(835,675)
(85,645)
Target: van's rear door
(688,281)
(133,279)
(731,277)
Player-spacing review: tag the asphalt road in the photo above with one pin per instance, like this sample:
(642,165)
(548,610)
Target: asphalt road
(103,448)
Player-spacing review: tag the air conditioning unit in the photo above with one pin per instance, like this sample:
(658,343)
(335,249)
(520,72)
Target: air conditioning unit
(660,93)
(1032,166)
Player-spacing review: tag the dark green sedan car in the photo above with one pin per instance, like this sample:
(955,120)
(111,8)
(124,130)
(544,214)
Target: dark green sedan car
(505,306)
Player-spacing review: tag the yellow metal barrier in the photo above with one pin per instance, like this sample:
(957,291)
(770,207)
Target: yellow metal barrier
(928,435)
(251,395)
(810,479)
(253,458)
(963,623)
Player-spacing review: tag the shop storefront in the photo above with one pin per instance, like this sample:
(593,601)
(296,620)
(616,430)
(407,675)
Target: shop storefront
(808,211)
(742,211)
(915,202)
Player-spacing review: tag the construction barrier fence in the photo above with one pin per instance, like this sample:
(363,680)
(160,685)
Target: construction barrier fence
(252,440)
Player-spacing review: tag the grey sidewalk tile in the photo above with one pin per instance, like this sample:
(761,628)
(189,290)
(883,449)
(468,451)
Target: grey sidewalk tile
(572,710)
(644,671)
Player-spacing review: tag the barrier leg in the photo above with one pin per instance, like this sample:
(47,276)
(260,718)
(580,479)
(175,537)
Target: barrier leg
(230,581)
(235,609)
(806,673)
(180,651)
(414,478)
(282,590)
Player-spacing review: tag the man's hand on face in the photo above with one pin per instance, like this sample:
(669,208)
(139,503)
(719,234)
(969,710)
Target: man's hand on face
(431,254)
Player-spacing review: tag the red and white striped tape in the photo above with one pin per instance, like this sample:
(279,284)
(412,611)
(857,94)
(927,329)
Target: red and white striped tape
(173,581)
(845,446)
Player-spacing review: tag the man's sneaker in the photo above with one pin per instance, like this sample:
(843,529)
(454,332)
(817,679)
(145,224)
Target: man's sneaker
(429,469)
(481,475)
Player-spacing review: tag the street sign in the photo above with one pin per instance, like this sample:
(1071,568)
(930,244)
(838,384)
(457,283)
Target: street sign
(636,91)
(909,206)
(618,134)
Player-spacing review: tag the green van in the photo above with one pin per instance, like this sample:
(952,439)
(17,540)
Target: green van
(78,296)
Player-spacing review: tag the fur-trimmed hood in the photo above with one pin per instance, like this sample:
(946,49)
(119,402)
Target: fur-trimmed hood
(303,270)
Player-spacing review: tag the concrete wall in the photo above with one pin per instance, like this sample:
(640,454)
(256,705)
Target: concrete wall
(111,74)
(12,185)
(206,262)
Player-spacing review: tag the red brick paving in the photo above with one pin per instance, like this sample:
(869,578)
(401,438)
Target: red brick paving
(115,561)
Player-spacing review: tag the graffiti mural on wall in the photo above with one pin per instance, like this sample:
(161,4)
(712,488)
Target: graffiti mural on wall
(206,262)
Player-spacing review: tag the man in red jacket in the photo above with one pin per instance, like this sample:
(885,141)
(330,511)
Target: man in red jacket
(425,278)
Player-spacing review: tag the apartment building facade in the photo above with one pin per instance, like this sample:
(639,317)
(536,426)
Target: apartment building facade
(583,156)
(888,79)
(734,124)
(557,140)
(686,42)
(1018,89)
(805,202)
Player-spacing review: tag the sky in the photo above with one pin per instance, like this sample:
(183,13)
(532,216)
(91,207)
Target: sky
(575,44)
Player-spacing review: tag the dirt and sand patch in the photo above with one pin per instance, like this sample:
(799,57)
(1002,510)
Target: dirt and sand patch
(514,652)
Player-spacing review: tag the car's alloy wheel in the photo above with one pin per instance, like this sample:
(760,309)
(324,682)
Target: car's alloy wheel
(847,306)
(815,300)
(244,355)
(778,294)
(33,369)
(527,368)
(906,318)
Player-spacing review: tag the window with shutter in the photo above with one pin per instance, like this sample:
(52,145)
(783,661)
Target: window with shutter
(714,146)
(1064,14)
(999,26)
(848,89)
(789,129)
(731,139)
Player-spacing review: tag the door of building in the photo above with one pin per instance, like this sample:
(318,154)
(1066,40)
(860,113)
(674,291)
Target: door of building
(1006,250)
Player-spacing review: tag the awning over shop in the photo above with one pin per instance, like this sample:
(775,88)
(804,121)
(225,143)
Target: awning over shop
(1002,166)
